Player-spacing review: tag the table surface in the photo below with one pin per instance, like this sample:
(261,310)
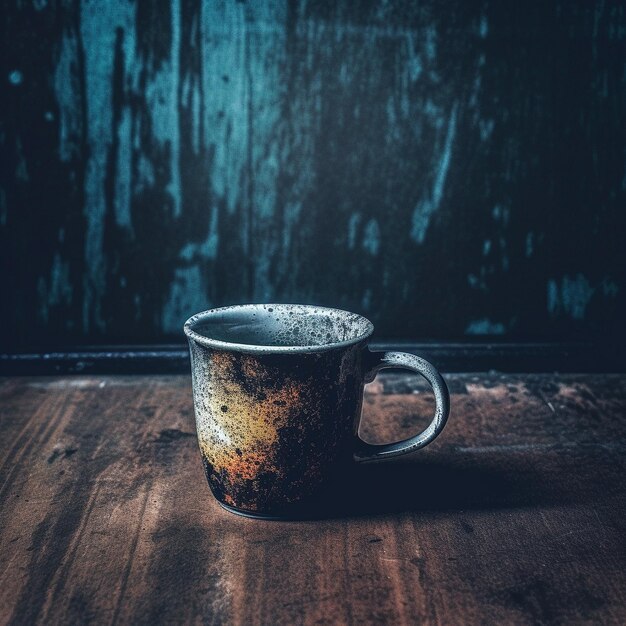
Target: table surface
(516,514)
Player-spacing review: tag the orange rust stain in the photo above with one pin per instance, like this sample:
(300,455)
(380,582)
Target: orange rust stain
(244,467)
(250,368)
(238,429)
(239,426)
(221,359)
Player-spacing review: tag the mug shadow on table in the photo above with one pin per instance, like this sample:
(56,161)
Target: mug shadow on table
(442,484)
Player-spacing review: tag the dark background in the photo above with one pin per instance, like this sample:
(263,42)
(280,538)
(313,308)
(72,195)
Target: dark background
(449,169)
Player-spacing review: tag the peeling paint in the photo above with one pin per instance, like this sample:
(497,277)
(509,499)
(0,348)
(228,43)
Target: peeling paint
(65,92)
(145,175)
(426,207)
(16,77)
(571,297)
(484,26)
(98,31)
(122,199)
(226,126)
(485,327)
(360,156)
(501,214)
(187,294)
(371,237)
(486,129)
(353,224)
(430,45)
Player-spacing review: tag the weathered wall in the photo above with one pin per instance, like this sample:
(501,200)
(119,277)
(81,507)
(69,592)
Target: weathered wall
(447,168)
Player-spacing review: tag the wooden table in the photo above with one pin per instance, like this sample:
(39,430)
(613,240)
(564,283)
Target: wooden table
(516,514)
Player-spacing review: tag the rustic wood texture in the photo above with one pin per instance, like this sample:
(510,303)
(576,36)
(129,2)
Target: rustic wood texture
(515,515)
(387,157)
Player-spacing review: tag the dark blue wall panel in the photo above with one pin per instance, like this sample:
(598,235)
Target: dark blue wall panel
(446,168)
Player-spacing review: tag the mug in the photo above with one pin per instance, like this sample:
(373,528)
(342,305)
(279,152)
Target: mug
(278,391)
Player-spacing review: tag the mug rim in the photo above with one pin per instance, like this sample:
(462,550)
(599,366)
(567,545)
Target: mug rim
(232,346)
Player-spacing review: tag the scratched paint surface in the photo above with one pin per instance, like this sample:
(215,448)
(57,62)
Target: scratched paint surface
(446,169)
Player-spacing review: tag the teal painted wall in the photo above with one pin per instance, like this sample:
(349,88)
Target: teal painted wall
(449,169)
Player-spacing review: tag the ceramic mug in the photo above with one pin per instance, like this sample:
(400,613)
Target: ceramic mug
(278,390)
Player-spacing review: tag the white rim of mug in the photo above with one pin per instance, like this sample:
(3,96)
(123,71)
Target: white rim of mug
(232,346)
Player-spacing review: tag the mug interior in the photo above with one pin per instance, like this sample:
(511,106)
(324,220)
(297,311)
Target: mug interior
(277,328)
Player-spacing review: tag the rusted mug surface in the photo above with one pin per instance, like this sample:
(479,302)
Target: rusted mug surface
(278,390)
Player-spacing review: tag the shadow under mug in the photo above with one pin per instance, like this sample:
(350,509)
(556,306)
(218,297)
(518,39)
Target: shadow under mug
(278,392)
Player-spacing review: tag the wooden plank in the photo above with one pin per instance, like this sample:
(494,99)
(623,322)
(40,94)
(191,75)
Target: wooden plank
(448,168)
(516,514)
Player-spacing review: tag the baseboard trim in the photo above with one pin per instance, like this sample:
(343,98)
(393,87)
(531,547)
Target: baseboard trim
(448,357)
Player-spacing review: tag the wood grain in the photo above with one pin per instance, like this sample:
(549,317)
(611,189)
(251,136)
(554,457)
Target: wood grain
(515,515)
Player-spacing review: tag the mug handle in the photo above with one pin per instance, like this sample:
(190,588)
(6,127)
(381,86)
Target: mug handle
(381,360)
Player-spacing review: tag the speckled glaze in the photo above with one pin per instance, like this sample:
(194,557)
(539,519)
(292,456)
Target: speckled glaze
(277,417)
(272,427)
